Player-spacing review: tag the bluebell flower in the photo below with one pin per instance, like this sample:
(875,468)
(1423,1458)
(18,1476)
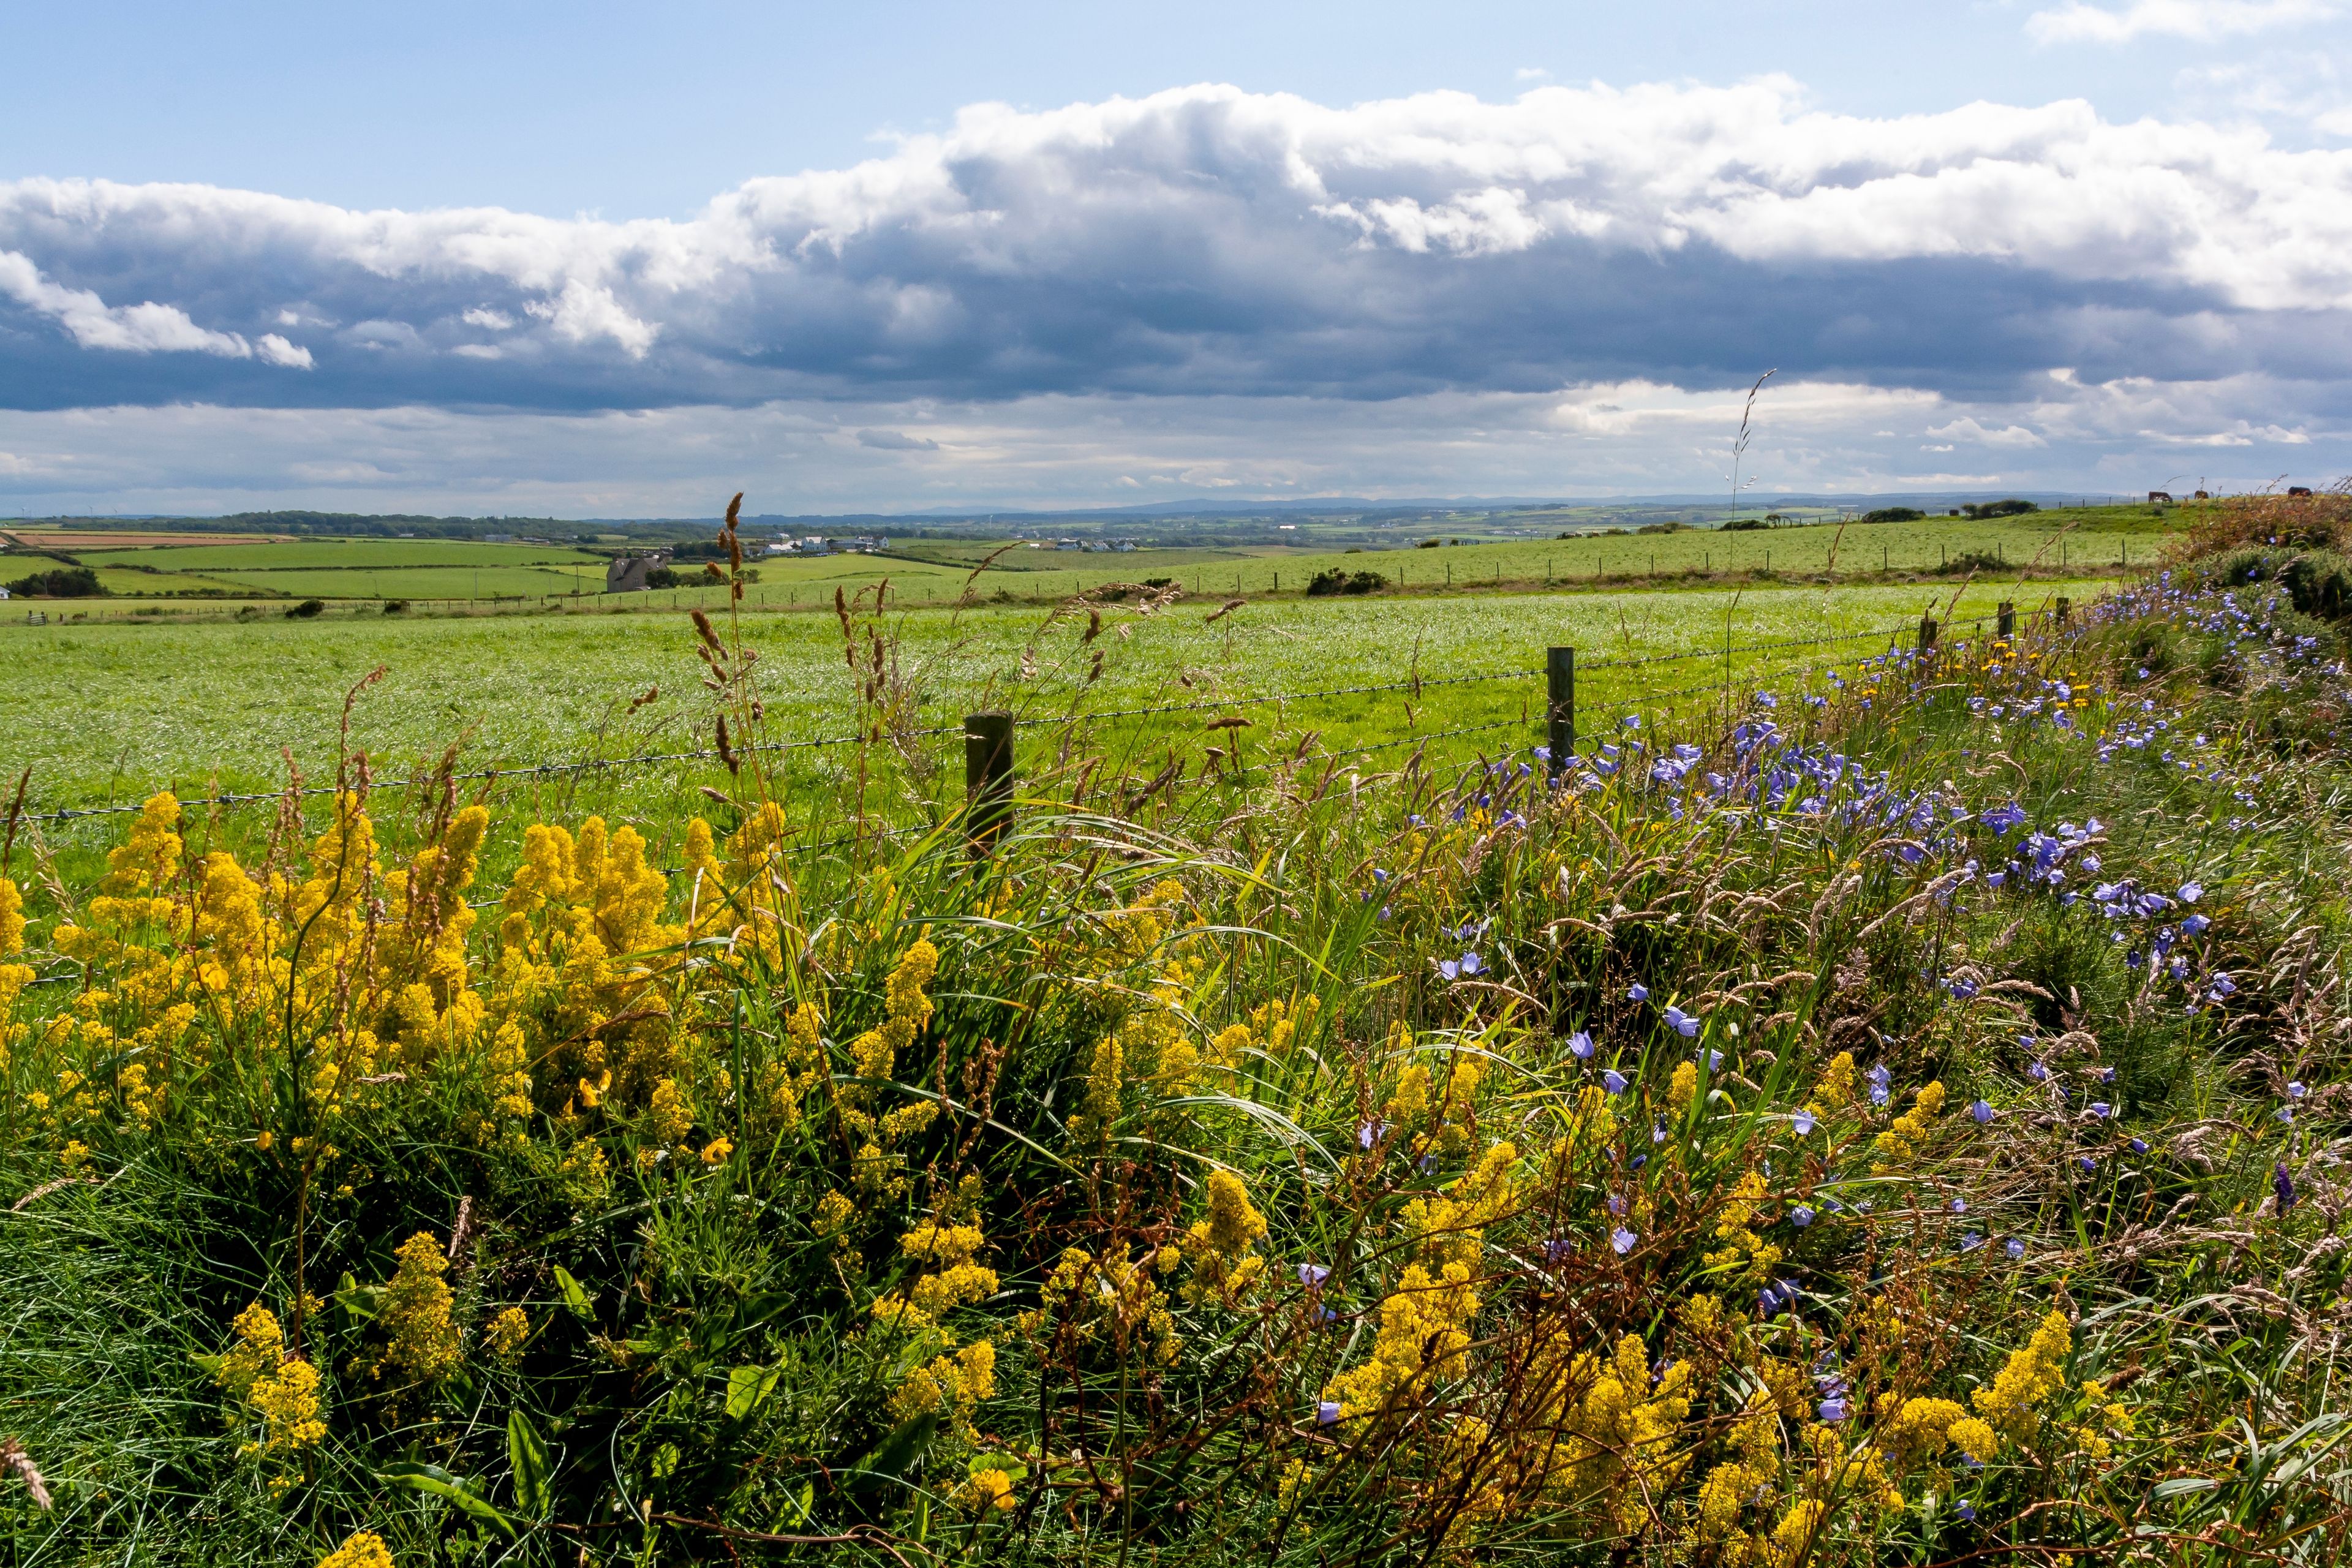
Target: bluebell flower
(2195,924)
(2223,986)
(1801,1216)
(1617,1203)
(2138,1145)
(2015,1248)
(1959,1205)
(1658,1130)
(1834,1410)
(1559,1250)
(2296,1090)
(1579,1044)
(1637,992)
(1615,1082)
(2101,1108)
(1312,1275)
(1631,720)
(1449,968)
(1805,1123)
(1622,1240)
(2088,1164)
(1968,1512)
(1471,963)
(1326,1413)
(2038,1073)
(1682,1022)
(1971,1242)
(1983,1110)
(2284,1185)
(2107,1075)
(1881,1084)
(1371,1133)
(2286,1113)
(2190,892)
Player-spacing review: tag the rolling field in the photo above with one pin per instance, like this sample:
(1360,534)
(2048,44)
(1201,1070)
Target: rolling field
(209,708)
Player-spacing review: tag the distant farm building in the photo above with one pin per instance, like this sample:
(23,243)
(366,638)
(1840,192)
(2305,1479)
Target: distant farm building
(627,574)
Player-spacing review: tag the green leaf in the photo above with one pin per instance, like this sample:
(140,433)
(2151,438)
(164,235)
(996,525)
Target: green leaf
(573,1296)
(747,1388)
(2179,1484)
(528,1453)
(438,1482)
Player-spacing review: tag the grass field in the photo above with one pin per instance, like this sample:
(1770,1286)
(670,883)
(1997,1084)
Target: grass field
(2073,542)
(213,705)
(1904,1129)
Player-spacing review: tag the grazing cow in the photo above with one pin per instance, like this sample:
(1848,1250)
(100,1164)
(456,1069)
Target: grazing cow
(2298,489)
(2159,495)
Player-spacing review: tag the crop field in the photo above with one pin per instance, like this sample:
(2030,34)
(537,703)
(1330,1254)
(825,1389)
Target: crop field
(1871,1101)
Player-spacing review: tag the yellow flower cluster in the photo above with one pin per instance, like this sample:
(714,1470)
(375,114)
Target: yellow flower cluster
(1222,1246)
(1899,1144)
(505,1336)
(1424,1333)
(361,1549)
(1746,1256)
(281,1391)
(423,1343)
(906,1008)
(1086,1295)
(2033,1373)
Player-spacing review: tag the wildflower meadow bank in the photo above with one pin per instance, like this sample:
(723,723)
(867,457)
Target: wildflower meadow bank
(1897,1120)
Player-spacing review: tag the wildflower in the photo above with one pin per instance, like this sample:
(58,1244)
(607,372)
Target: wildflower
(1959,1205)
(1326,1412)
(1801,1216)
(1967,1512)
(1983,1110)
(1682,1022)
(2088,1164)
(2296,1090)
(2014,1248)
(1805,1123)
(414,1311)
(1637,992)
(2285,1113)
(1622,1240)
(1580,1045)
(2038,1073)
(2190,892)
(2138,1145)
(1971,1242)
(1312,1275)
(715,1153)
(1881,1084)
(361,1549)
(1615,1082)
(1371,1133)
(2223,986)
(1834,1410)
(2283,1185)
(2195,924)
(2102,1110)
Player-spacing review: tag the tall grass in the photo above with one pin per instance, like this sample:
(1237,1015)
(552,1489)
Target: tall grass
(1895,1122)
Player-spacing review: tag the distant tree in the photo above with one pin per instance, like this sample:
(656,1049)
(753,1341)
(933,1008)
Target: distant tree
(2010,508)
(58,582)
(1893,514)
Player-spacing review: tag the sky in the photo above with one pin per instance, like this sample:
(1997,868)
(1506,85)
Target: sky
(605,260)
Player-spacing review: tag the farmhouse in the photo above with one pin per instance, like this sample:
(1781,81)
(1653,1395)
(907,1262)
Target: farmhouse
(627,574)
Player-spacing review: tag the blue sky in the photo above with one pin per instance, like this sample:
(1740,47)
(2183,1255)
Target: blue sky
(620,260)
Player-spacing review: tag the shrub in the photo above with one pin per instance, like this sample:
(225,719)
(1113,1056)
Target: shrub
(1745,525)
(2010,508)
(1663,528)
(395,606)
(1333,581)
(57,582)
(1429,544)
(663,577)
(1893,514)
(1970,561)
(305,610)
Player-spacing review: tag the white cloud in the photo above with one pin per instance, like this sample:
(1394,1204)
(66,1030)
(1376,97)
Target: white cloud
(1967,429)
(149,328)
(2077,22)
(489,319)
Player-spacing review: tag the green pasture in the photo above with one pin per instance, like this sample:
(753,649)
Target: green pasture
(347,554)
(451,582)
(110,713)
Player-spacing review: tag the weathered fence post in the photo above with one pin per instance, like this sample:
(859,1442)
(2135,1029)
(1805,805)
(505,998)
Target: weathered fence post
(987,779)
(2062,607)
(1559,706)
(1927,637)
(2006,626)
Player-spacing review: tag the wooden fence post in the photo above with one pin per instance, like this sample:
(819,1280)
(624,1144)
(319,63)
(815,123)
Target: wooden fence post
(1559,706)
(2063,606)
(2006,626)
(1927,637)
(987,779)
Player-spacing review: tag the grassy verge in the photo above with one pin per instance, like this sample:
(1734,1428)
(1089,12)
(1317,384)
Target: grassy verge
(1894,1120)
